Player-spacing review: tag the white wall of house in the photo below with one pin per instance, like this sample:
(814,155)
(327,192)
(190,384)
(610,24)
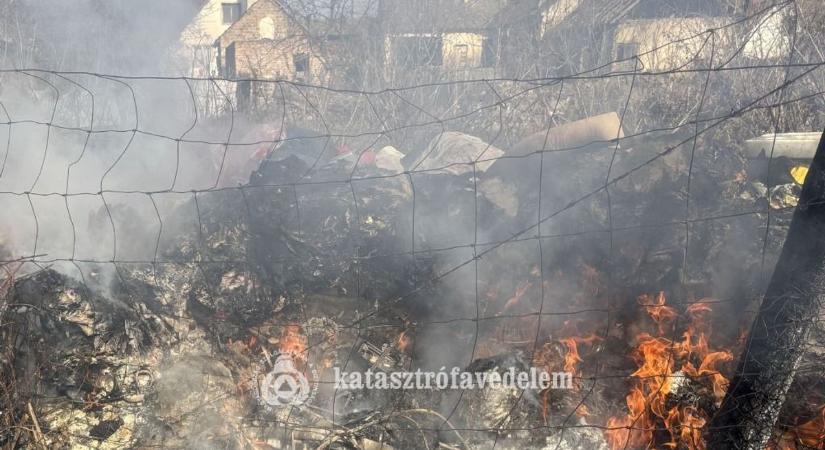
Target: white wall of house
(768,39)
(458,50)
(210,23)
(462,50)
(555,12)
(667,43)
(198,57)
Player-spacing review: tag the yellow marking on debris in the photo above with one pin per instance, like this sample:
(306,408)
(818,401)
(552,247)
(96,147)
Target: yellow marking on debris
(799,173)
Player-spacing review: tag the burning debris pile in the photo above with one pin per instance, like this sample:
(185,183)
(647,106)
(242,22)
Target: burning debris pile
(422,261)
(666,407)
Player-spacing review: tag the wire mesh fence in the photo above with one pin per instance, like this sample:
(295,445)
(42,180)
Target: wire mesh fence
(164,237)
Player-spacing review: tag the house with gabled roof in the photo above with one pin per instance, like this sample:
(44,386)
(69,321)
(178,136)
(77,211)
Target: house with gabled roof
(196,55)
(655,35)
(445,37)
(269,41)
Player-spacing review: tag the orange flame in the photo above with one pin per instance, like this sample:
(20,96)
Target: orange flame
(685,427)
(634,430)
(403,341)
(544,357)
(688,348)
(293,342)
(655,369)
(655,306)
(521,290)
(708,369)
(656,358)
(571,358)
(809,435)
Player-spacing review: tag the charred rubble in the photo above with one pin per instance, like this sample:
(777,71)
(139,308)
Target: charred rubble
(351,259)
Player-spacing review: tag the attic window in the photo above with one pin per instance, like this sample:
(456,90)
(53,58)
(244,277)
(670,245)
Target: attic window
(626,50)
(231,12)
(266,28)
(301,62)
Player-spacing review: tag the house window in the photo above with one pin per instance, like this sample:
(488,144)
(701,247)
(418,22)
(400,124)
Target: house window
(488,53)
(462,53)
(626,50)
(244,94)
(301,62)
(231,12)
(266,28)
(231,70)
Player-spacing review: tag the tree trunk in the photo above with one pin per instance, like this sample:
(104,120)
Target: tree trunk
(793,298)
